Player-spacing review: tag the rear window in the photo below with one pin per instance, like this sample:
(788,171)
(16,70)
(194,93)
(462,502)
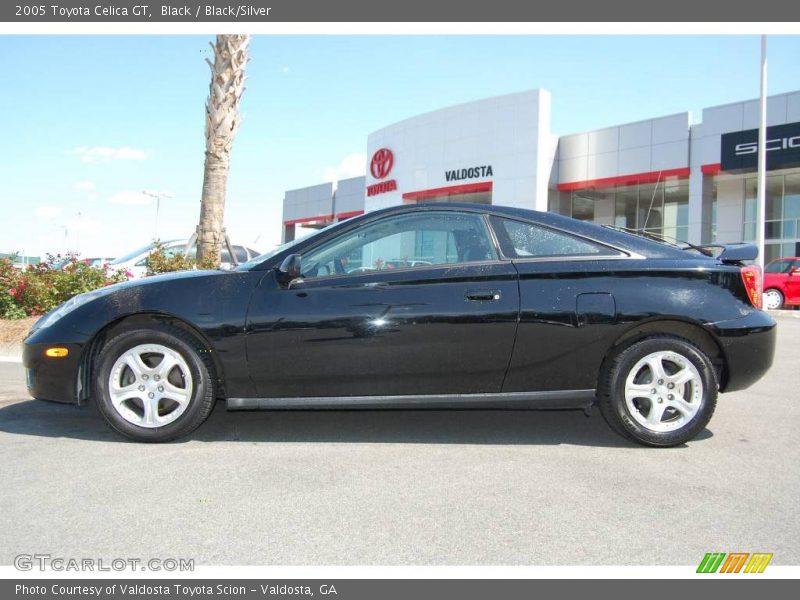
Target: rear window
(519,239)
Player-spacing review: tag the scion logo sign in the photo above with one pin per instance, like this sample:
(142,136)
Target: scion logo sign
(469,173)
(380,166)
(382,162)
(740,149)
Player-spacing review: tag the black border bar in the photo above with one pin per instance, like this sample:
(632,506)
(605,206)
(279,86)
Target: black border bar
(440,11)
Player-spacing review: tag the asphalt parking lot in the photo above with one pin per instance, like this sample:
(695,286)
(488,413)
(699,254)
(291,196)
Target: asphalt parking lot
(412,487)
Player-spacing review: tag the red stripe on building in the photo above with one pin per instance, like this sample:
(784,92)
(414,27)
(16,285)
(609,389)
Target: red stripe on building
(348,215)
(467,188)
(650,177)
(711,169)
(309,219)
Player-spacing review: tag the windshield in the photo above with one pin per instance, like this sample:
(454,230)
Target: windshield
(131,255)
(167,244)
(278,249)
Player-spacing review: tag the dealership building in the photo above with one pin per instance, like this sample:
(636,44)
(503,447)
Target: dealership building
(694,182)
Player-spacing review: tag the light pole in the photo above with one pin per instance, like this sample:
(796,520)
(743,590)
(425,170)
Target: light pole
(158,196)
(66,235)
(761,211)
(78,234)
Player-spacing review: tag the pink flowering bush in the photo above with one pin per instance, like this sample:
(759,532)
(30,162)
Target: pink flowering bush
(42,287)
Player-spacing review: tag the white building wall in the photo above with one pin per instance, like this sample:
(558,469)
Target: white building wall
(730,210)
(349,196)
(647,146)
(313,201)
(511,133)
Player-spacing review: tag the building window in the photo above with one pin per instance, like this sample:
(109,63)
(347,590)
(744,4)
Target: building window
(782,222)
(582,207)
(662,208)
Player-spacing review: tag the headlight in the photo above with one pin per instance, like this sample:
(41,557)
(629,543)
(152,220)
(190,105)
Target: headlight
(68,306)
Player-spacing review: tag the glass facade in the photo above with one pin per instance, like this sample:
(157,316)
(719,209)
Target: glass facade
(660,208)
(782,223)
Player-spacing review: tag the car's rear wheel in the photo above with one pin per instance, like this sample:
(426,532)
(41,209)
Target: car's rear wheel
(773,299)
(155,384)
(660,391)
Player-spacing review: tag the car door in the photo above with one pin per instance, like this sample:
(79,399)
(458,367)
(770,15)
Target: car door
(793,283)
(410,304)
(777,274)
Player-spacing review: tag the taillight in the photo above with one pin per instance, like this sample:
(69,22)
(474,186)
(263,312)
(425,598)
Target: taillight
(751,276)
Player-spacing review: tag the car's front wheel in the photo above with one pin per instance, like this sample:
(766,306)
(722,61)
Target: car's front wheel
(660,391)
(155,384)
(773,299)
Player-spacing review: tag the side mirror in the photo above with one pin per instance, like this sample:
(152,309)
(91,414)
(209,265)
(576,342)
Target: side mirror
(290,269)
(794,271)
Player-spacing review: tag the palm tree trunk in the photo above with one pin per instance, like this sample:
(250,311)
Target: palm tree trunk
(222,123)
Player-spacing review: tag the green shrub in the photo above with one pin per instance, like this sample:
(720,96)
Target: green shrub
(161,260)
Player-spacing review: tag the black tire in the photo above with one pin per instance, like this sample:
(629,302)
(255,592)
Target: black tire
(611,392)
(200,368)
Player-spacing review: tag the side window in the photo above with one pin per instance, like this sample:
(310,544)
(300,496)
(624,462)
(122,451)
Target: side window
(519,239)
(403,242)
(779,266)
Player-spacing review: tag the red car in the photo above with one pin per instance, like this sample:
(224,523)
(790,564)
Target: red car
(782,283)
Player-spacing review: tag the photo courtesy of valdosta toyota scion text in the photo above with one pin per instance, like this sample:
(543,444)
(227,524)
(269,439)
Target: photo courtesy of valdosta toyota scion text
(372,308)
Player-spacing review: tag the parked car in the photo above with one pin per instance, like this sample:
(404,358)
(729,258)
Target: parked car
(96,262)
(518,309)
(136,262)
(782,283)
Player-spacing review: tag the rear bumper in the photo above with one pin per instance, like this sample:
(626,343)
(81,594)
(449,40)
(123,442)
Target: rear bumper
(48,378)
(749,348)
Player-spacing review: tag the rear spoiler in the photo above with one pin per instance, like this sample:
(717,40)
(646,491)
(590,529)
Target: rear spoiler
(734,253)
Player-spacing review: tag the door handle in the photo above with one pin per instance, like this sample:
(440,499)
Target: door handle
(483,295)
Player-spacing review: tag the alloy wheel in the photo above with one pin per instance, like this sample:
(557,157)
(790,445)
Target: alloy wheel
(663,391)
(150,385)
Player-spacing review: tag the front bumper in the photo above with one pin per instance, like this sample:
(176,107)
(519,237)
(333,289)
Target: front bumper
(749,348)
(49,378)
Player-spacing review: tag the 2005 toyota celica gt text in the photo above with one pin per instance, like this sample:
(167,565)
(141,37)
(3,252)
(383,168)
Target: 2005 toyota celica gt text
(430,306)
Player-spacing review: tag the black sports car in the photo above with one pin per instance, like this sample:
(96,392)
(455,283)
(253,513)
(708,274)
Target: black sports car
(428,306)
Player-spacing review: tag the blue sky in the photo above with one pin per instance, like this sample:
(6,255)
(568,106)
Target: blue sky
(91,121)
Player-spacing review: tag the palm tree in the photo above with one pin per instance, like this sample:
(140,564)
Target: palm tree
(222,123)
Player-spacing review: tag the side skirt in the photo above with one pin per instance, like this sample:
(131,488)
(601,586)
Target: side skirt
(561,399)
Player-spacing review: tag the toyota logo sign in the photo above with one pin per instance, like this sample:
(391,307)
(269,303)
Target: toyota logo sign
(381,164)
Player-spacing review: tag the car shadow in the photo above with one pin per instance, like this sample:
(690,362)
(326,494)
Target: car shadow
(501,427)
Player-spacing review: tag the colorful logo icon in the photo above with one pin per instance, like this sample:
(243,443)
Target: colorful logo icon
(734,562)
(381,164)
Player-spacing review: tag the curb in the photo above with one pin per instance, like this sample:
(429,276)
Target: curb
(783,314)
